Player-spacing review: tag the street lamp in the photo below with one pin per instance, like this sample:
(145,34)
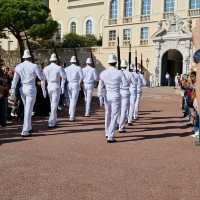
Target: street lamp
(147,63)
(187,61)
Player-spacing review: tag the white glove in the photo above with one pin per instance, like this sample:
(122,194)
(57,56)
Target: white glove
(62,90)
(44,93)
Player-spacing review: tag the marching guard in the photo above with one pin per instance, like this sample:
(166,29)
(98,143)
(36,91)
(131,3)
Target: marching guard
(111,79)
(74,78)
(133,94)
(89,78)
(53,74)
(125,96)
(140,85)
(27,73)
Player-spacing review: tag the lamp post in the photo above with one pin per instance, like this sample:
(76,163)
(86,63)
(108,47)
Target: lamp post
(147,63)
(187,65)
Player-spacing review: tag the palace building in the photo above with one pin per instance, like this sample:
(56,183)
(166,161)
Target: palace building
(160,30)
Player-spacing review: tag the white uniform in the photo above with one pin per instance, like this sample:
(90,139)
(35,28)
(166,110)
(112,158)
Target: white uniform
(111,79)
(27,73)
(133,96)
(125,98)
(141,83)
(53,74)
(89,78)
(74,77)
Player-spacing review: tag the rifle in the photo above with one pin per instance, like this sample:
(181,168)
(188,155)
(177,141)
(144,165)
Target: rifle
(129,57)
(91,55)
(136,60)
(118,54)
(75,54)
(55,51)
(29,46)
(141,63)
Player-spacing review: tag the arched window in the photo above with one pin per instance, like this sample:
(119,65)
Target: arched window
(89,27)
(128,8)
(146,7)
(73,27)
(169,6)
(113,9)
(194,4)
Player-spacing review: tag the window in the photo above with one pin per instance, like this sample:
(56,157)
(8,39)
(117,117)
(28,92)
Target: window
(73,27)
(114,9)
(89,27)
(144,35)
(146,7)
(194,4)
(169,6)
(112,35)
(127,34)
(127,8)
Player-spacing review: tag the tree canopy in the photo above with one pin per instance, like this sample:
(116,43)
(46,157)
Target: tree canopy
(31,17)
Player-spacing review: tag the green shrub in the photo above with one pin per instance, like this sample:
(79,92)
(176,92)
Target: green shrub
(73,40)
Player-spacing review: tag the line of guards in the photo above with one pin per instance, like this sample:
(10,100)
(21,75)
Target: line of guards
(119,90)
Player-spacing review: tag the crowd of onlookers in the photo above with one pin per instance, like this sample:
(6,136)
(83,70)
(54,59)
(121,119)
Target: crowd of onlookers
(6,76)
(187,85)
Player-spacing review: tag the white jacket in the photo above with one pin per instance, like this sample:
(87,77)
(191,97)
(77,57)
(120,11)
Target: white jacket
(74,75)
(112,79)
(89,75)
(53,74)
(27,73)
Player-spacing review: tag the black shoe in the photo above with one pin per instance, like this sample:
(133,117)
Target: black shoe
(31,131)
(130,124)
(52,127)
(111,141)
(25,136)
(124,131)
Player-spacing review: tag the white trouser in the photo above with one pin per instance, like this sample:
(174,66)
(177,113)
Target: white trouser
(54,96)
(125,101)
(28,95)
(112,107)
(73,93)
(137,104)
(88,89)
(132,106)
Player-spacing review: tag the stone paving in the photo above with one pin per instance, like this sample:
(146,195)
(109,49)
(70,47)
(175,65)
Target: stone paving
(155,160)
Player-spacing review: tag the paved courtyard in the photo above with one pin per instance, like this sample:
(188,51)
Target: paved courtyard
(155,160)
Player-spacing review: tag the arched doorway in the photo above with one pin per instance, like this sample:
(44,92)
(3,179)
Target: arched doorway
(172,62)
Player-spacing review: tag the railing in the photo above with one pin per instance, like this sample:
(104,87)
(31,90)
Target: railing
(145,18)
(112,21)
(194,12)
(168,15)
(143,42)
(127,20)
(111,43)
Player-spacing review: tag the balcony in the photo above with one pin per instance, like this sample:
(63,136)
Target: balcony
(168,15)
(127,20)
(112,21)
(194,12)
(145,18)
(111,43)
(143,42)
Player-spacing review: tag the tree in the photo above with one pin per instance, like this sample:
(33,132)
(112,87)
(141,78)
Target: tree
(30,18)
